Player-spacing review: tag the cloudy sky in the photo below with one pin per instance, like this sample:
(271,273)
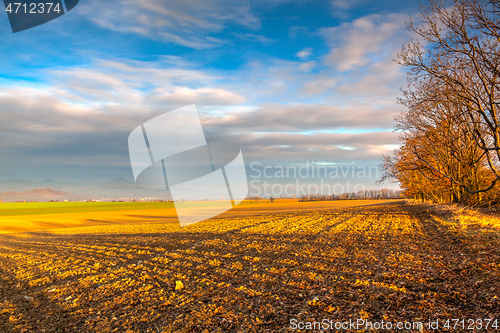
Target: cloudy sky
(290,81)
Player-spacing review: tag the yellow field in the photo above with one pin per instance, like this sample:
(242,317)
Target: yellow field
(37,222)
(255,270)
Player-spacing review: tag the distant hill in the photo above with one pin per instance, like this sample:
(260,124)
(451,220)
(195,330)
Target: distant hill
(38,194)
(117,188)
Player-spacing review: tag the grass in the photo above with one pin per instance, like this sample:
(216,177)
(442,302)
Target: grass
(41,208)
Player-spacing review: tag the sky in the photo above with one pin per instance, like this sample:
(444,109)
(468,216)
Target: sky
(292,82)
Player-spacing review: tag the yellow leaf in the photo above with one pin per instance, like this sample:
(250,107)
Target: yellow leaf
(178,285)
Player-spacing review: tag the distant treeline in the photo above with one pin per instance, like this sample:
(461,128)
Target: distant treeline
(360,195)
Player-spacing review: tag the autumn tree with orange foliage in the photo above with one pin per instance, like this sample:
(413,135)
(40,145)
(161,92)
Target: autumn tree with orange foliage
(451,131)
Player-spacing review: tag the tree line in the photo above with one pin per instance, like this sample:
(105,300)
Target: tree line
(360,195)
(450,130)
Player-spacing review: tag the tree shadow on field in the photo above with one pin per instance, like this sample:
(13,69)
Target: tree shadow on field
(465,275)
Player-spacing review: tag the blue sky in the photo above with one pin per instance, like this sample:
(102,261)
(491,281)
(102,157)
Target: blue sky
(289,81)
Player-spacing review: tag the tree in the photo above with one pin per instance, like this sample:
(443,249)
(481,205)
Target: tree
(451,130)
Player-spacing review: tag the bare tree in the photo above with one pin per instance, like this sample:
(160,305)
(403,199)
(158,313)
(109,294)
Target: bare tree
(451,131)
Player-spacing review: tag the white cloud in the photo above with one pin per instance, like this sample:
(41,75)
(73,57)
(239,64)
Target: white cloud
(304,53)
(365,41)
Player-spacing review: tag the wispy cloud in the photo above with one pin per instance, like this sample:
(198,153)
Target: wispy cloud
(186,23)
(342,8)
(255,38)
